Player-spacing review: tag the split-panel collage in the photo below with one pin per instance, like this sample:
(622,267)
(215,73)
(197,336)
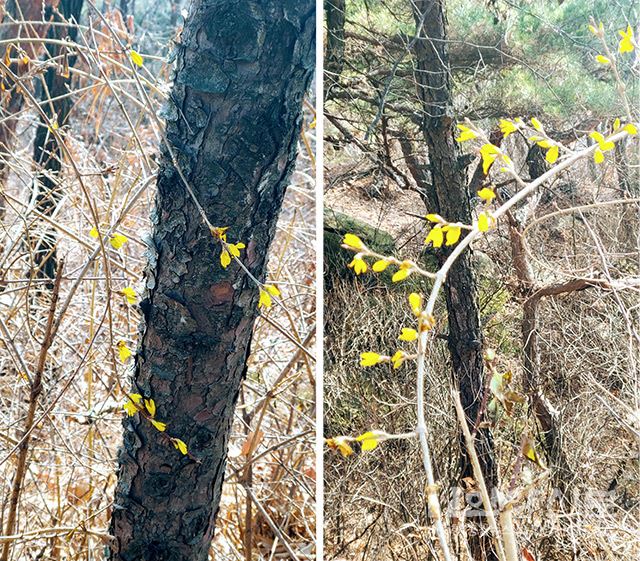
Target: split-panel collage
(339,280)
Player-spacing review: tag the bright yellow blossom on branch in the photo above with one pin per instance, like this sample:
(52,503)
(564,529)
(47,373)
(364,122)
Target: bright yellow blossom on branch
(408,334)
(453,233)
(160,426)
(435,236)
(405,270)
(130,295)
(123,351)
(118,240)
(266,292)
(627,43)
(370,439)
(380,265)
(130,408)
(180,445)
(359,265)
(486,221)
(415,301)
(398,358)
(370,359)
(353,241)
(466,134)
(341,444)
(486,194)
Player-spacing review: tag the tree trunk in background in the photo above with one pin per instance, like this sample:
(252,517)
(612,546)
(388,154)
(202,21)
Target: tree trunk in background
(125,6)
(451,200)
(12,100)
(334,54)
(242,71)
(46,153)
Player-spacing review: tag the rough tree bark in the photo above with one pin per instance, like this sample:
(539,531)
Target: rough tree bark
(448,196)
(334,54)
(46,152)
(242,71)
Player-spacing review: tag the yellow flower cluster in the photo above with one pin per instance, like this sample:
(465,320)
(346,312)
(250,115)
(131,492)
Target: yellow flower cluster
(135,403)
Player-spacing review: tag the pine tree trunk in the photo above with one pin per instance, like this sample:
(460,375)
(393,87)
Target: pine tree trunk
(334,54)
(450,198)
(242,71)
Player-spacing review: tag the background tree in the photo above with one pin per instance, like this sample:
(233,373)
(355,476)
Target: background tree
(56,106)
(236,107)
(447,195)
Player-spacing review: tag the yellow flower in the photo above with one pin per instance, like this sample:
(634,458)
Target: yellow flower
(485,221)
(94,233)
(272,289)
(234,248)
(436,218)
(598,156)
(466,134)
(507,127)
(536,124)
(626,43)
(435,236)
(135,397)
(130,295)
(415,301)
(358,265)
(453,233)
(266,292)
(150,406)
(118,240)
(160,426)
(599,32)
(489,153)
(486,194)
(552,154)
(341,444)
(225,258)
(123,351)
(408,334)
(130,408)
(370,359)
(180,445)
(397,359)
(603,59)
(353,241)
(370,440)
(604,144)
(220,233)
(380,265)
(136,58)
(631,129)
(402,273)
(265,299)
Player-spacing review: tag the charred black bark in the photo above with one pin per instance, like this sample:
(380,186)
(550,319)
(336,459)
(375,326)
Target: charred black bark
(450,199)
(242,71)
(47,153)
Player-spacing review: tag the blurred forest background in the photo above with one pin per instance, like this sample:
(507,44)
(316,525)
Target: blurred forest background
(80,137)
(508,59)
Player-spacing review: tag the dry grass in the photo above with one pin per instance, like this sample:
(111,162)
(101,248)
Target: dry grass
(66,498)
